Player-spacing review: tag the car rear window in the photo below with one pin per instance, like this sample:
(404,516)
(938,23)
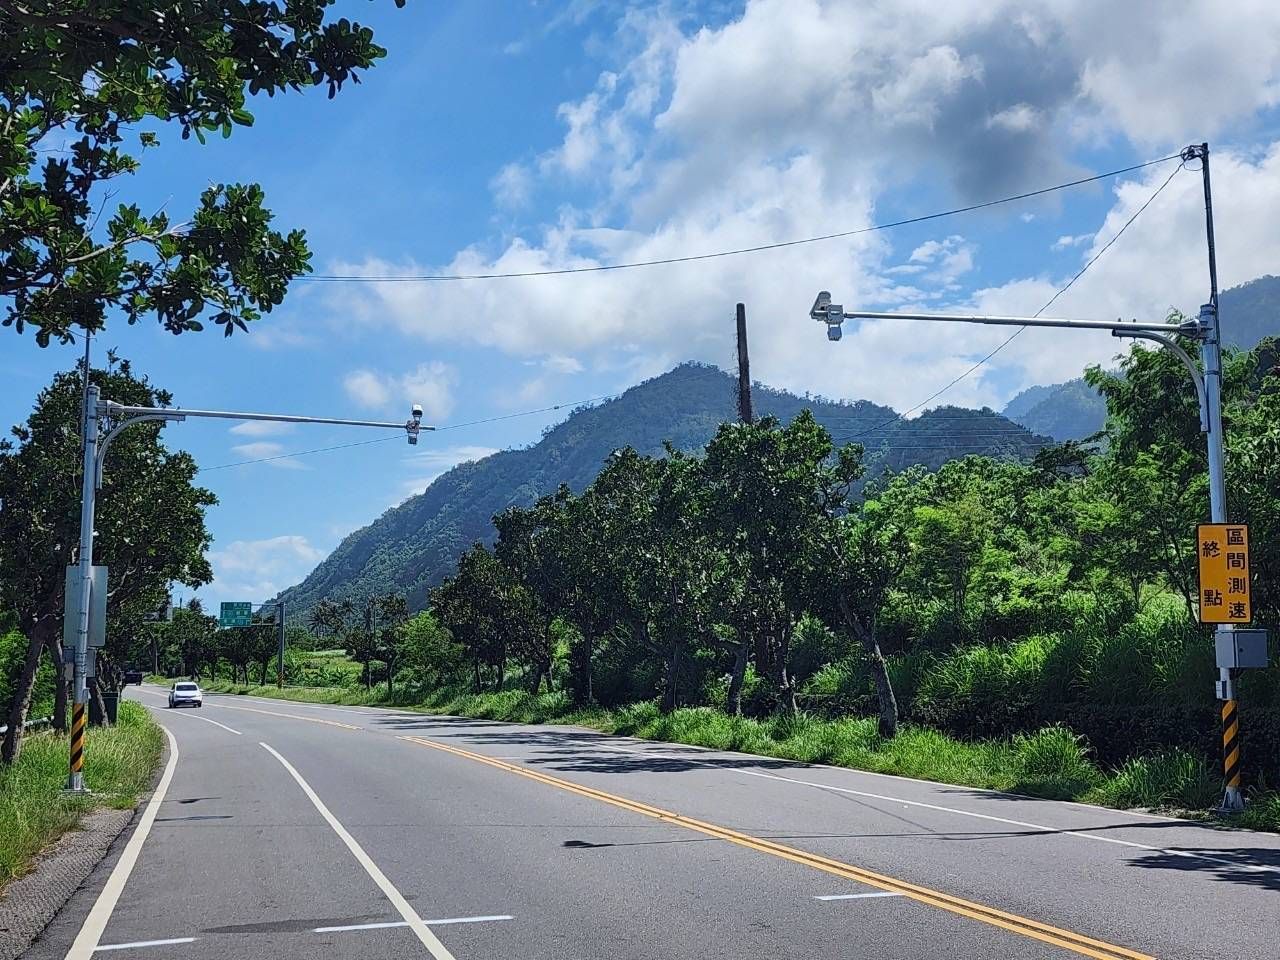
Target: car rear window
(186,687)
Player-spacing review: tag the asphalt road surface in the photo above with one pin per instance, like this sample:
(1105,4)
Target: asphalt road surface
(284,830)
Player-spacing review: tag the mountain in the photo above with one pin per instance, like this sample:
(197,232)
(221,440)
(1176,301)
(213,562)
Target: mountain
(1250,312)
(1064,411)
(412,547)
(1021,404)
(1073,411)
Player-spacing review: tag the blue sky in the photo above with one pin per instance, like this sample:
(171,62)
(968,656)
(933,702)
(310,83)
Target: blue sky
(505,136)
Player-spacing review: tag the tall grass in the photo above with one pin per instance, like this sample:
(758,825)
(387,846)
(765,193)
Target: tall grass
(118,764)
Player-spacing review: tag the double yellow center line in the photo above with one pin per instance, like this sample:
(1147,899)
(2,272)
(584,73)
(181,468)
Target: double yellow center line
(1075,942)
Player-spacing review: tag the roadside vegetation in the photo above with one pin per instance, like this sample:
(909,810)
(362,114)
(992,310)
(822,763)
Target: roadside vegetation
(1026,627)
(119,763)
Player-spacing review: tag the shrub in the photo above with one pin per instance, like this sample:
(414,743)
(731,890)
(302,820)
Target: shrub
(985,690)
(1054,763)
(1175,778)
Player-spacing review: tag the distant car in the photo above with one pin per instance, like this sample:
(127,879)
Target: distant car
(186,694)
(133,676)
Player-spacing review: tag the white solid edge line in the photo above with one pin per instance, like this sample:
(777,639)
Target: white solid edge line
(144,943)
(1082,834)
(91,932)
(861,896)
(734,754)
(401,923)
(420,929)
(205,719)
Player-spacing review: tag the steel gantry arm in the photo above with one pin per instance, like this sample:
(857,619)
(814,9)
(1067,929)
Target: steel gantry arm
(1173,347)
(109,409)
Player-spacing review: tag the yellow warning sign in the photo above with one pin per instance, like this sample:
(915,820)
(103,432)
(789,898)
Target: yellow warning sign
(1223,550)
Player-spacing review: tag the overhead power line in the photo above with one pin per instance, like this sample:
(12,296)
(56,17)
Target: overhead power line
(692,258)
(1013,336)
(957,442)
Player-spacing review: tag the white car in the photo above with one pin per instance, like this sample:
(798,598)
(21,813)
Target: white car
(186,693)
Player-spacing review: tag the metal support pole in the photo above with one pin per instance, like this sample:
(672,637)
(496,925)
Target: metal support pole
(88,491)
(280,636)
(1211,356)
(745,413)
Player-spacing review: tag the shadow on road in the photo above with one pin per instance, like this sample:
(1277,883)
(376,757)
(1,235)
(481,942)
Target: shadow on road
(563,749)
(1242,869)
(208,816)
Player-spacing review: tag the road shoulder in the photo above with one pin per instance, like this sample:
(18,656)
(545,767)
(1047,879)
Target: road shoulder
(33,901)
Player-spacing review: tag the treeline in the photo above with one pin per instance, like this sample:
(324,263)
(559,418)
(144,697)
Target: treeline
(377,634)
(986,596)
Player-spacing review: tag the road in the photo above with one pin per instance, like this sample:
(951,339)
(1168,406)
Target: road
(283,830)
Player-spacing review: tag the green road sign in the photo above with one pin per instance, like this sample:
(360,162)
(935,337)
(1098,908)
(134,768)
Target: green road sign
(235,615)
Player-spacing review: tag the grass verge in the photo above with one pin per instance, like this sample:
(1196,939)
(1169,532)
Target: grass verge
(1052,763)
(118,765)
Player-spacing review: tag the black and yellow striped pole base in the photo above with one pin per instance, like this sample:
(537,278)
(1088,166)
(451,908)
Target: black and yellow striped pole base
(79,716)
(1232,800)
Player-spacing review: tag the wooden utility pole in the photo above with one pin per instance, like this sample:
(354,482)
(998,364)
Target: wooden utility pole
(744,369)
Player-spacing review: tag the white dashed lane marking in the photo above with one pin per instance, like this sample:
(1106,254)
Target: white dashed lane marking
(401,923)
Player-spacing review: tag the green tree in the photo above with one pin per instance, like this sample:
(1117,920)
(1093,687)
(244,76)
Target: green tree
(1156,467)
(361,635)
(1253,471)
(326,619)
(428,651)
(191,636)
(393,611)
(488,610)
(100,79)
(869,549)
(150,519)
(774,492)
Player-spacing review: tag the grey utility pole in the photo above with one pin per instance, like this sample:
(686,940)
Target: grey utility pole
(280,637)
(1207,378)
(84,583)
(103,421)
(1211,359)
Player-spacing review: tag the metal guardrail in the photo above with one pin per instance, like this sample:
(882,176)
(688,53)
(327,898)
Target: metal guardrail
(30,724)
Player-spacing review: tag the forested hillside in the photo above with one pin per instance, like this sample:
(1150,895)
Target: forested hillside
(1074,410)
(1064,411)
(412,547)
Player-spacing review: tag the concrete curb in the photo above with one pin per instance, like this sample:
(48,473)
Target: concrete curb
(33,900)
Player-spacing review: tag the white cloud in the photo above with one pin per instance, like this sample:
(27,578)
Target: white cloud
(1159,264)
(1067,241)
(256,570)
(559,363)
(264,448)
(946,259)
(429,384)
(272,453)
(366,388)
(261,428)
(751,133)
(1018,118)
(512,185)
